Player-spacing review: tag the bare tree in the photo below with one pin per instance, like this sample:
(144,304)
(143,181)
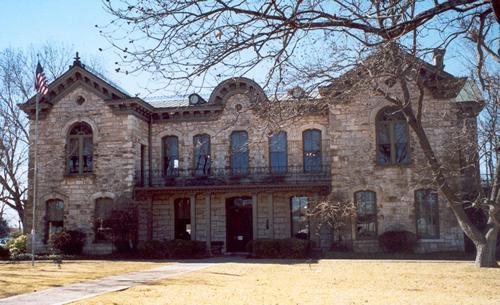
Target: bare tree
(16,86)
(318,44)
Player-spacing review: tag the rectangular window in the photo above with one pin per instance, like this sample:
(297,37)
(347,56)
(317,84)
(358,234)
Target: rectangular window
(427,213)
(182,218)
(278,153)
(366,215)
(299,218)
(54,218)
(312,150)
(202,158)
(103,211)
(170,156)
(239,153)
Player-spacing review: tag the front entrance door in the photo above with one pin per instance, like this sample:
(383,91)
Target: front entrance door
(239,230)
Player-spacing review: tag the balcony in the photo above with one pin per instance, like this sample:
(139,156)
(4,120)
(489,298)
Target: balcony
(229,178)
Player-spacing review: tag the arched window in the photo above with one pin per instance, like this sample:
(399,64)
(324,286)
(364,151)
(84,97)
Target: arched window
(366,214)
(102,217)
(299,219)
(202,158)
(312,150)
(278,156)
(427,213)
(79,160)
(392,137)
(54,217)
(170,156)
(239,152)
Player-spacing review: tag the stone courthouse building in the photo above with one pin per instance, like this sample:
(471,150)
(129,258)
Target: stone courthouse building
(211,169)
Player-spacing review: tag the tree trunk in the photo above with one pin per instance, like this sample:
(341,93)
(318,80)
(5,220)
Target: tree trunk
(486,252)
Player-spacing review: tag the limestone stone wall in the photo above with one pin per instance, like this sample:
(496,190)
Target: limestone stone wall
(115,138)
(353,148)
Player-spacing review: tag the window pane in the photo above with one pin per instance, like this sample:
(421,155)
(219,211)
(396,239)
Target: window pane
(299,219)
(239,152)
(73,155)
(55,210)
(170,156)
(278,152)
(312,150)
(392,137)
(87,154)
(366,214)
(202,156)
(427,214)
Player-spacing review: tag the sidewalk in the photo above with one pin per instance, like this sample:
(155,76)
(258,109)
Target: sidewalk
(83,290)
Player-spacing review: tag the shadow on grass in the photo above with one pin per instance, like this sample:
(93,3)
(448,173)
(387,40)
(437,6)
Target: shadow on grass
(437,256)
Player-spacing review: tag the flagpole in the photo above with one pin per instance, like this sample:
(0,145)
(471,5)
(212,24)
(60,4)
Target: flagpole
(35,172)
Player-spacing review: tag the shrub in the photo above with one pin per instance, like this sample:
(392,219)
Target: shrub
(4,253)
(68,242)
(180,248)
(152,249)
(17,245)
(280,248)
(398,241)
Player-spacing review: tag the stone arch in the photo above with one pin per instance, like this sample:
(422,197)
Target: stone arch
(89,121)
(236,85)
(104,194)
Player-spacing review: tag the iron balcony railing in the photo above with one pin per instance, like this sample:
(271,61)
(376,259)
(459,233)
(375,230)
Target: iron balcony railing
(233,176)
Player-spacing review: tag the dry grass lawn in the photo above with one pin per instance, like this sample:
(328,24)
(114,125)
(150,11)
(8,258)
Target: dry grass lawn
(325,282)
(22,277)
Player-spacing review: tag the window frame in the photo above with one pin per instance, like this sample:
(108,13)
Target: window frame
(392,138)
(240,171)
(166,172)
(428,192)
(308,220)
(285,152)
(374,235)
(206,170)
(81,142)
(304,157)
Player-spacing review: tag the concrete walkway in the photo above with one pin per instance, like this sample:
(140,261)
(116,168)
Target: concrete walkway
(83,290)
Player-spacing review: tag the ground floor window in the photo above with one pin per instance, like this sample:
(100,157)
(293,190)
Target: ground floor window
(54,217)
(427,213)
(299,219)
(182,208)
(366,215)
(103,210)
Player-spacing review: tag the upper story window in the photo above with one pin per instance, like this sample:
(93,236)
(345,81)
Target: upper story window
(312,150)
(170,156)
(79,160)
(427,213)
(54,217)
(278,156)
(366,214)
(239,152)
(202,158)
(299,219)
(392,137)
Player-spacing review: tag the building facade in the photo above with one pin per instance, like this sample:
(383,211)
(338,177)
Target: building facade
(216,170)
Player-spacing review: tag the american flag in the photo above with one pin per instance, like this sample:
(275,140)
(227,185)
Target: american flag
(40,81)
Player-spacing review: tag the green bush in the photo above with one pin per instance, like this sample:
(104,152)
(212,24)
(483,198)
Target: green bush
(4,253)
(152,249)
(397,241)
(17,245)
(68,242)
(280,248)
(180,248)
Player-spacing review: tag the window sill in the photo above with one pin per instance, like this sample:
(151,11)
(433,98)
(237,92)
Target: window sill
(399,165)
(82,176)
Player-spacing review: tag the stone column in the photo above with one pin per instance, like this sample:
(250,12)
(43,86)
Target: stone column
(254,215)
(208,213)
(150,218)
(271,215)
(192,205)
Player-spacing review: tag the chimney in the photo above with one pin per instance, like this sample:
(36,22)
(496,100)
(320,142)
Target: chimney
(439,58)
